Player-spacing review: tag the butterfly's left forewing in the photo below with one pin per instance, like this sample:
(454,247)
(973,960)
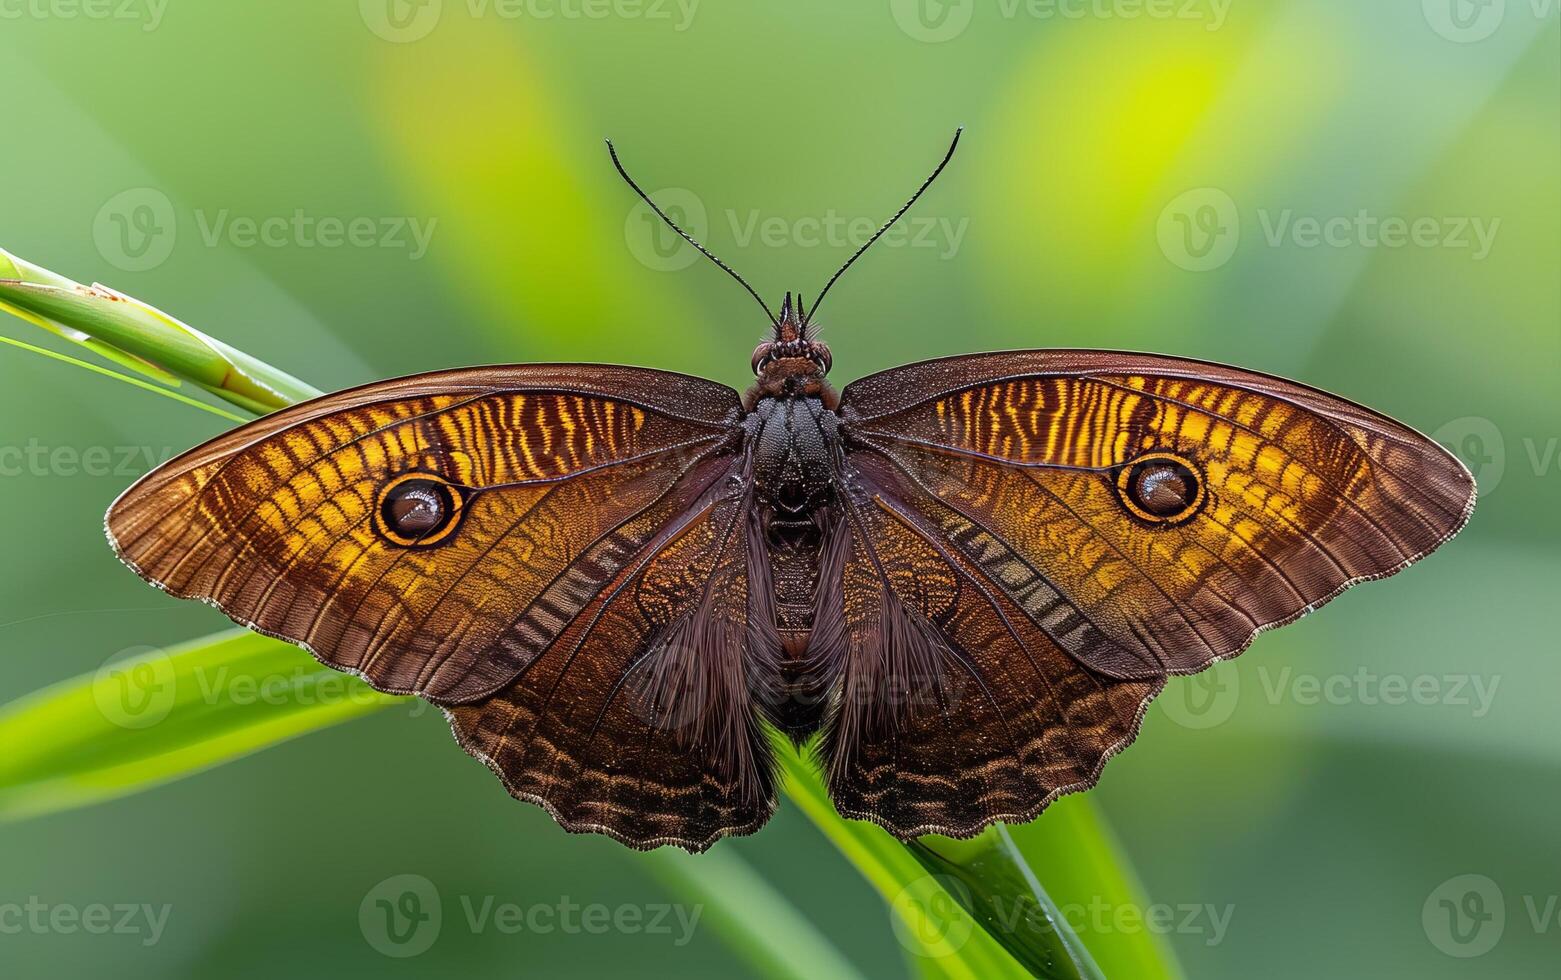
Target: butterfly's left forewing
(508,542)
(1065,529)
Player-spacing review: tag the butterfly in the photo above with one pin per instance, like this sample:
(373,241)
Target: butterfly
(967,576)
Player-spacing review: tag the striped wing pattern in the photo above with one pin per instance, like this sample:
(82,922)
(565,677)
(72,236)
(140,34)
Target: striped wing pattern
(988,503)
(568,480)
(566,558)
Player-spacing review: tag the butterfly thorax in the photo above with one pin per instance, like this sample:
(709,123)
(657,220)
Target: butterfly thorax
(795,444)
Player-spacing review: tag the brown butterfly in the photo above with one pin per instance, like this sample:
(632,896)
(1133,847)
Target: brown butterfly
(970,574)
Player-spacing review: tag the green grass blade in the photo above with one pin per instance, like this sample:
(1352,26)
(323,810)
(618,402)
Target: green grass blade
(136,333)
(930,922)
(1073,850)
(756,921)
(146,332)
(14,268)
(127,379)
(1003,894)
(160,716)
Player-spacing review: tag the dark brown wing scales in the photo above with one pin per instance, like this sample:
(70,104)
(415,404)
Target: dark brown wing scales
(1074,526)
(1011,553)
(445,534)
(639,722)
(955,710)
(289,524)
(1291,495)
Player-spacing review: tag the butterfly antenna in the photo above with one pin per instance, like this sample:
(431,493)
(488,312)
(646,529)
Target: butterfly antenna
(685,235)
(819,299)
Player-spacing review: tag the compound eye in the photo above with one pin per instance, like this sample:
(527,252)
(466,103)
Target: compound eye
(417,509)
(761,354)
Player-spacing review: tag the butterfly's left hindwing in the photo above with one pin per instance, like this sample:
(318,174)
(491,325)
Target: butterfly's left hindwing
(477,537)
(1065,529)
(652,743)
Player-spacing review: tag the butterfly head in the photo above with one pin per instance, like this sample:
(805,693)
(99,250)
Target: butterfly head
(791,351)
(791,364)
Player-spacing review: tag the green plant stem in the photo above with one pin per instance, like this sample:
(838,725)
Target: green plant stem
(119,376)
(135,334)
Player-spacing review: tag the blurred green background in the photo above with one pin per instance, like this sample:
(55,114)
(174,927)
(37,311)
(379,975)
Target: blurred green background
(1364,196)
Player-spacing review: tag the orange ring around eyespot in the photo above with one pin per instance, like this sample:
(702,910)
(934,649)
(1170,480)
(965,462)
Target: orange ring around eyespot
(1126,475)
(455,499)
